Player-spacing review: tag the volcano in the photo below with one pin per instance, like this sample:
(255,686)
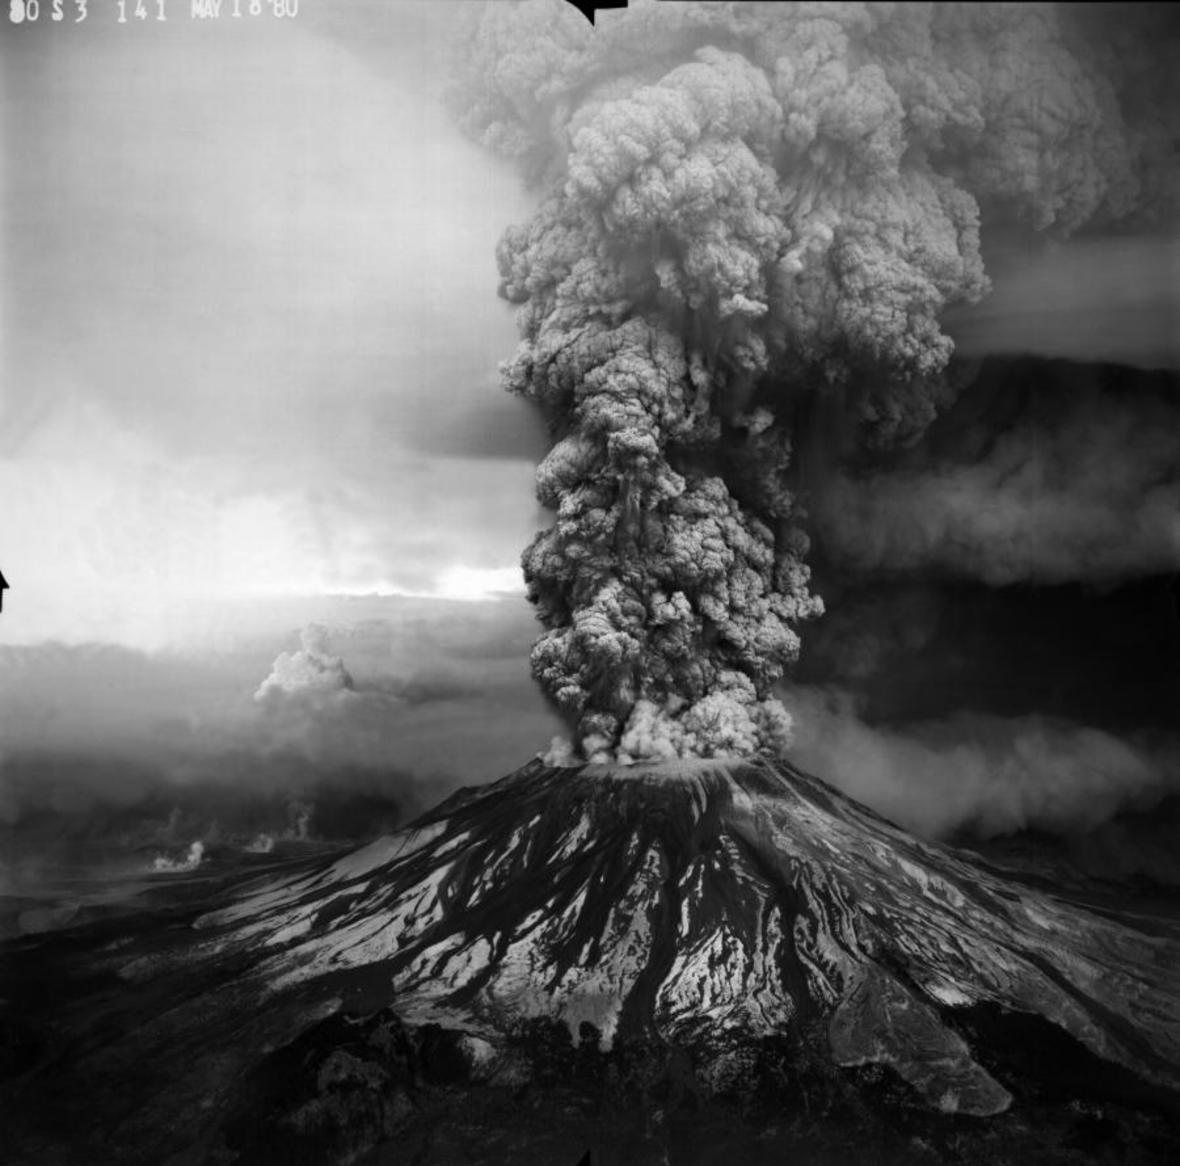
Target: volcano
(733,916)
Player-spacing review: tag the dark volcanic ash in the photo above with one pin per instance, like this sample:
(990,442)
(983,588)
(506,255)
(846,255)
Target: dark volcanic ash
(745,209)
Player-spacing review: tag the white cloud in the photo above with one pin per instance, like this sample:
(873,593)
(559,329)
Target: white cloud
(476,583)
(312,670)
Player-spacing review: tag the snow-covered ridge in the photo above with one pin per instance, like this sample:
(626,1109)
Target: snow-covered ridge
(716,903)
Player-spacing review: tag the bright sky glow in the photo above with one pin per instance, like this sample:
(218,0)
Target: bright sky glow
(251,329)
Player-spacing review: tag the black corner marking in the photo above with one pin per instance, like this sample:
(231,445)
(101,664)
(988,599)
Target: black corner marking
(588,7)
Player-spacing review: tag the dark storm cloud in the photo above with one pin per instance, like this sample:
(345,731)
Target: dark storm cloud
(919,650)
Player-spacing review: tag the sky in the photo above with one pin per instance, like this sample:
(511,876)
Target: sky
(251,332)
(248,367)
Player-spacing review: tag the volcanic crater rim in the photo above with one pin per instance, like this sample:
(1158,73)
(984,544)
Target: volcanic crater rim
(687,769)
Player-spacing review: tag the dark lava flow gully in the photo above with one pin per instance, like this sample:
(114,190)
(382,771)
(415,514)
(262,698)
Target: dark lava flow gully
(708,907)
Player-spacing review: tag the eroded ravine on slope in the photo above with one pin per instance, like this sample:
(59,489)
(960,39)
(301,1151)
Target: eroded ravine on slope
(712,911)
(710,904)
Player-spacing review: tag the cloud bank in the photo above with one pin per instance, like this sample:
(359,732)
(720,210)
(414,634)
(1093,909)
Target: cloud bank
(1081,484)
(371,713)
(978,773)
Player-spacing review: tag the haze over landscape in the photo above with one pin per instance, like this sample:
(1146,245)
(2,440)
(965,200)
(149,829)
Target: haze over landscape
(249,370)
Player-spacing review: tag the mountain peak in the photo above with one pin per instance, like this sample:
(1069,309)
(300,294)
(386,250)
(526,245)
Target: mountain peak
(710,905)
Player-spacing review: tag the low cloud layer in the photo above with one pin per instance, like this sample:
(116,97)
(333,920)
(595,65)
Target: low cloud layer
(386,714)
(1082,484)
(981,774)
(1099,299)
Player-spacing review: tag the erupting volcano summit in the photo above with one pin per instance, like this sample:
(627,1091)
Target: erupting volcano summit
(710,905)
(721,913)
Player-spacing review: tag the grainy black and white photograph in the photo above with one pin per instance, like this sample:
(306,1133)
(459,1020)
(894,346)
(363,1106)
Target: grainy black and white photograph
(589,585)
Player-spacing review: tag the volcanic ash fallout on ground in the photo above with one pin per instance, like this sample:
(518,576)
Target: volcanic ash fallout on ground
(751,220)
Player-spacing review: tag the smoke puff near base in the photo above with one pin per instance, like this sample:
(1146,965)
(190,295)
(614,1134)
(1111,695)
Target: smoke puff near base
(192,859)
(745,209)
(311,669)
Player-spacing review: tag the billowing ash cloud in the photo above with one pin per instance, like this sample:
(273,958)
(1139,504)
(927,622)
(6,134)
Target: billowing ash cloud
(745,206)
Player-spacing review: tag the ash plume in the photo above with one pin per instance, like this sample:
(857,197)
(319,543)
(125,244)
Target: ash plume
(745,208)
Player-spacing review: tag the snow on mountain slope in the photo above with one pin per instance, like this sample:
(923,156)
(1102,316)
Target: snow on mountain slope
(708,904)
